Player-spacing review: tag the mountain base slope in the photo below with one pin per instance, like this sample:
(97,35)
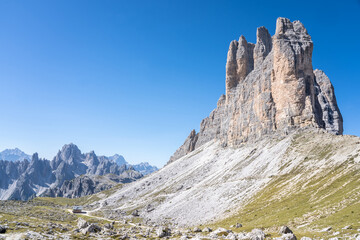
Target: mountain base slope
(263,178)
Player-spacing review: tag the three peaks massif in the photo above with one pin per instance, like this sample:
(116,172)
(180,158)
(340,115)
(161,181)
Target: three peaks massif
(277,129)
(271,87)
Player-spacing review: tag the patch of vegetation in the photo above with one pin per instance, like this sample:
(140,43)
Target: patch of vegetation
(328,199)
(68,201)
(352,158)
(110,191)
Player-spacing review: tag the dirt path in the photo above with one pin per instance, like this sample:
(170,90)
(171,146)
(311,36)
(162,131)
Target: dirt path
(102,218)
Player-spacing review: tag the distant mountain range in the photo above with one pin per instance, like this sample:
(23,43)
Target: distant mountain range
(14,155)
(144,167)
(22,178)
(119,159)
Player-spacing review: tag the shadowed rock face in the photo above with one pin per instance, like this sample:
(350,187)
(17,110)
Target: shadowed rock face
(271,87)
(327,106)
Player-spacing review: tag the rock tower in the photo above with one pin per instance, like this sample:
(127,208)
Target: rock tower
(271,87)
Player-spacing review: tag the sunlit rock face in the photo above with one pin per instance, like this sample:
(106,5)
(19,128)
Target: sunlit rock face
(271,88)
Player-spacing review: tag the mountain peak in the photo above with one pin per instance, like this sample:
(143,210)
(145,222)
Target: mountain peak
(70,146)
(69,151)
(118,159)
(14,155)
(271,88)
(293,31)
(35,157)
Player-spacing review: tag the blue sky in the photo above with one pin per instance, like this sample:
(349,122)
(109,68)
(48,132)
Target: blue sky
(135,77)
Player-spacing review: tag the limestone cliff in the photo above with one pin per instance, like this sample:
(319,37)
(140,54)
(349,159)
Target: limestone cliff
(271,87)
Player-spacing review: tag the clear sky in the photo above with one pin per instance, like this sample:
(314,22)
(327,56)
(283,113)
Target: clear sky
(135,77)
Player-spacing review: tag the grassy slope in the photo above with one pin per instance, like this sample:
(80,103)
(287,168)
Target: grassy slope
(44,210)
(330,198)
(82,200)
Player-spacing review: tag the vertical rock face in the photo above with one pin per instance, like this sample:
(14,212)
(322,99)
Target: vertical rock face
(231,67)
(327,107)
(239,63)
(263,45)
(271,87)
(292,77)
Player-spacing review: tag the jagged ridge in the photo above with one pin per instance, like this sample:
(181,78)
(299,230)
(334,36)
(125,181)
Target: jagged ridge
(22,180)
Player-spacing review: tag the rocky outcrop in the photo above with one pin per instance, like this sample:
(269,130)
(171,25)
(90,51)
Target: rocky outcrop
(329,109)
(271,88)
(285,230)
(292,78)
(89,184)
(263,46)
(188,146)
(239,63)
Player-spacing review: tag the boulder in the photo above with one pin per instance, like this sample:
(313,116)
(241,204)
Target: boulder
(288,236)
(306,238)
(109,226)
(81,223)
(238,225)
(135,213)
(242,236)
(163,232)
(232,236)
(92,228)
(220,232)
(285,230)
(207,229)
(256,234)
(2,229)
(196,229)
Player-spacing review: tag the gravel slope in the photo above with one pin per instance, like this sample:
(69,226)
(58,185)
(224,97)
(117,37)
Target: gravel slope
(213,182)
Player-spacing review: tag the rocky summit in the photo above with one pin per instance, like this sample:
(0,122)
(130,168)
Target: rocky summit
(271,88)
